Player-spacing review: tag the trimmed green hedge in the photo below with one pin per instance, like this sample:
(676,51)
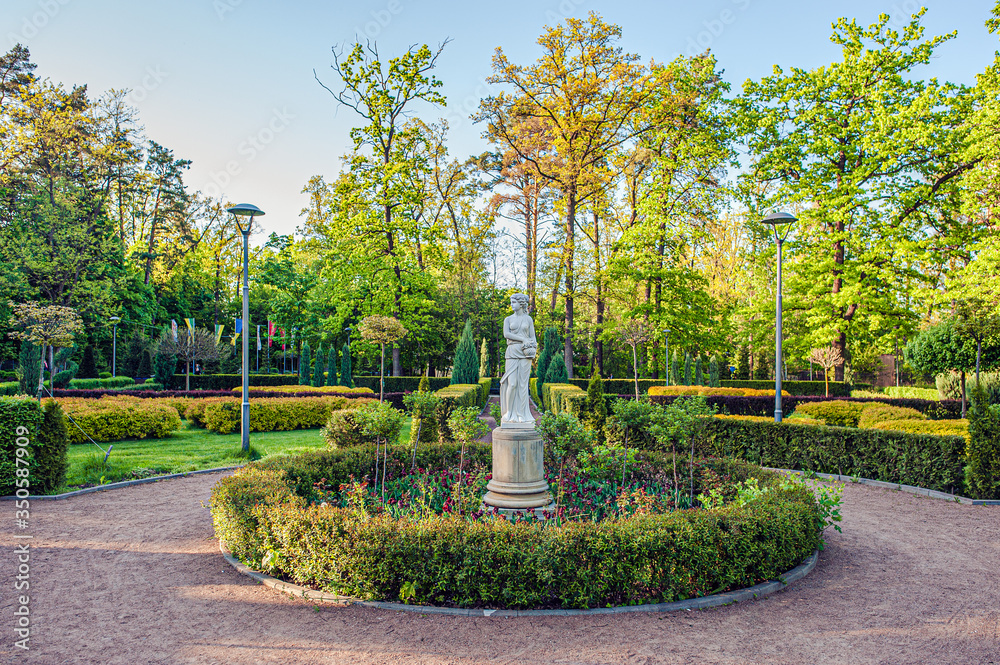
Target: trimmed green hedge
(97,384)
(274,414)
(230,381)
(10,388)
(260,513)
(401,384)
(453,397)
(564,398)
(485,385)
(119,417)
(984,448)
(923,460)
(45,430)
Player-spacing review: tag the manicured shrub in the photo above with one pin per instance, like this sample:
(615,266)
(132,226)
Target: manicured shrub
(277,414)
(331,367)
(30,364)
(52,452)
(306,390)
(935,427)
(912,393)
(445,560)
(983,451)
(840,413)
(932,462)
(555,398)
(11,388)
(713,371)
(556,372)
(451,398)
(742,372)
(709,390)
(96,384)
(304,366)
(343,430)
(874,412)
(319,375)
(119,417)
(596,410)
(19,417)
(485,384)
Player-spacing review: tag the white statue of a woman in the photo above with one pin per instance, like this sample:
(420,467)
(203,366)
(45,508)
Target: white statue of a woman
(522,346)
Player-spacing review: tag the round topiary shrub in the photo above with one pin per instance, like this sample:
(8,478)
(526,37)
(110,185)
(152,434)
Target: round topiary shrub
(668,533)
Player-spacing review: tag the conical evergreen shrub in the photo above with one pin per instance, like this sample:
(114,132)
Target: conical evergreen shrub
(688,377)
(699,379)
(304,363)
(549,346)
(675,378)
(713,371)
(346,378)
(30,364)
(762,368)
(742,364)
(319,377)
(557,370)
(331,366)
(466,368)
(484,360)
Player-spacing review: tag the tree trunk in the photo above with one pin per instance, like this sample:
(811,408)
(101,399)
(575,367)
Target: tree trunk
(599,318)
(41,373)
(570,229)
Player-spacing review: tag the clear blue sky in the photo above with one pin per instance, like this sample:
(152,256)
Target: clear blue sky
(210,75)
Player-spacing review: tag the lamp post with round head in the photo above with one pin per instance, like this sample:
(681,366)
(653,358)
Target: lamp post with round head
(114,344)
(243,215)
(782,221)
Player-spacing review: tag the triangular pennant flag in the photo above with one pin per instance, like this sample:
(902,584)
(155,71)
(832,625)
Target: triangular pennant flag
(190,325)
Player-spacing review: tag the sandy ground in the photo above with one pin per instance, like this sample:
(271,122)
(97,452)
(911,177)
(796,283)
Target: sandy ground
(135,576)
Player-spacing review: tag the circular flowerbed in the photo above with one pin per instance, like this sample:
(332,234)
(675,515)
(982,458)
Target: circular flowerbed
(668,533)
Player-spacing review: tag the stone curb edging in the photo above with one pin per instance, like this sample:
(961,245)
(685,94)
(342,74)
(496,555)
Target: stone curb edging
(705,602)
(912,489)
(119,485)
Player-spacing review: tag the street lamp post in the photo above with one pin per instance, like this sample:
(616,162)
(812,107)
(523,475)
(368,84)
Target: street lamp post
(114,344)
(776,220)
(238,212)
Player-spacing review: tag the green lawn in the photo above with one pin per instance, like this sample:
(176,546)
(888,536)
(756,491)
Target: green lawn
(188,449)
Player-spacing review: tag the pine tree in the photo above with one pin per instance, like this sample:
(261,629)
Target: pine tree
(331,366)
(466,368)
(319,378)
(742,364)
(304,364)
(713,371)
(687,369)
(699,378)
(346,378)
(30,364)
(484,360)
(425,384)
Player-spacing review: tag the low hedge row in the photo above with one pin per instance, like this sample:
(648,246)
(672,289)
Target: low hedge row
(396,399)
(223,414)
(453,397)
(92,384)
(119,417)
(401,384)
(261,514)
(983,451)
(43,429)
(230,381)
(933,462)
(817,388)
(8,388)
(303,390)
(935,427)
(564,398)
(706,391)
(947,409)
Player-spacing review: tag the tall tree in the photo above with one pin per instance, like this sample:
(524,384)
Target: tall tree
(584,90)
(385,149)
(872,155)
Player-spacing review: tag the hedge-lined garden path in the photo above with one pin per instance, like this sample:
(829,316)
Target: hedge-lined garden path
(135,576)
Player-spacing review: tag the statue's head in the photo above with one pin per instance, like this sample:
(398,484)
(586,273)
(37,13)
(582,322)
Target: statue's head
(520,299)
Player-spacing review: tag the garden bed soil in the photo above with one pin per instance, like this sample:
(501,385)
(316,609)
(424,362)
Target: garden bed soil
(135,576)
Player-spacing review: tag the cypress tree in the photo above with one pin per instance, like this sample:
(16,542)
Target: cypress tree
(557,370)
(304,364)
(425,384)
(597,408)
(319,379)
(762,368)
(30,364)
(742,364)
(675,370)
(52,452)
(713,371)
(687,369)
(699,378)
(331,366)
(466,367)
(145,368)
(545,358)
(88,367)
(346,378)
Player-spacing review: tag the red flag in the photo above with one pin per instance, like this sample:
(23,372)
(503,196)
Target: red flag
(270,332)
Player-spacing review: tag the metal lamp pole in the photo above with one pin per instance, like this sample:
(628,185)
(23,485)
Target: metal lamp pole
(238,212)
(114,345)
(775,220)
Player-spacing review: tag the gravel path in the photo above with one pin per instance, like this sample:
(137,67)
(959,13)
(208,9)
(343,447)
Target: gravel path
(135,576)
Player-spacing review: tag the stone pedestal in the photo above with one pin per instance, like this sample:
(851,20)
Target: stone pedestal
(518,470)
